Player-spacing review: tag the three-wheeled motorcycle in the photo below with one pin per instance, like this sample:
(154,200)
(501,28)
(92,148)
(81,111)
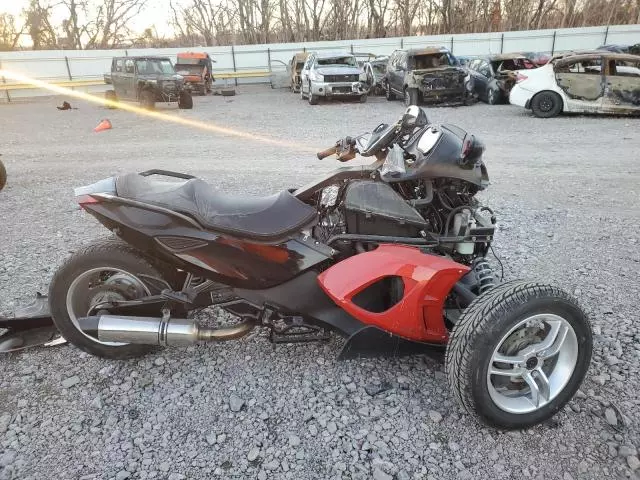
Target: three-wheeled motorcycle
(393,256)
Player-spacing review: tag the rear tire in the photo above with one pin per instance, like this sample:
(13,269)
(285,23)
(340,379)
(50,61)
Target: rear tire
(363,98)
(147,100)
(496,320)
(185,101)
(546,104)
(99,256)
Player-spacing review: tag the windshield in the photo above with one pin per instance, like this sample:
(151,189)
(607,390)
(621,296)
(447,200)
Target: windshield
(337,62)
(433,60)
(190,61)
(151,67)
(513,64)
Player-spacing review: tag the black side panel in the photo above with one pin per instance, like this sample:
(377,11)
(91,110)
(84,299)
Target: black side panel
(374,342)
(223,259)
(303,296)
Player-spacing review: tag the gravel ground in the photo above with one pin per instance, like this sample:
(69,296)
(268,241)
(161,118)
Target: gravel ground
(566,191)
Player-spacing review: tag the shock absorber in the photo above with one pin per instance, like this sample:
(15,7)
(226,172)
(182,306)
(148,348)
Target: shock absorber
(484,274)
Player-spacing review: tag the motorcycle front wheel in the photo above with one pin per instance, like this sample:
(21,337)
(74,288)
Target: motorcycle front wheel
(518,354)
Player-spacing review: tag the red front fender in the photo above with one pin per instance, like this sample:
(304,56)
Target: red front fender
(427,281)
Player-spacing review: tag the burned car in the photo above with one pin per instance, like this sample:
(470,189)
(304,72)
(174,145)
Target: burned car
(294,68)
(586,82)
(332,75)
(147,80)
(375,71)
(427,75)
(197,70)
(495,75)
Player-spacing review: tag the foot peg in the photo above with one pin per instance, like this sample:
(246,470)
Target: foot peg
(296,330)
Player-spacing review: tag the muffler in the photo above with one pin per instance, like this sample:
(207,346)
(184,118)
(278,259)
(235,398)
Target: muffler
(158,331)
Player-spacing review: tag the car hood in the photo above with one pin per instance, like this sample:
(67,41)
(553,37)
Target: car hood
(338,70)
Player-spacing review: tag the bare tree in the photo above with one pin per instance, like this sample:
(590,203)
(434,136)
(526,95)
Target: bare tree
(38,25)
(9,32)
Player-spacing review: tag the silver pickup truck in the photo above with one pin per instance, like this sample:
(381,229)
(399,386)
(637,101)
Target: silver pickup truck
(330,75)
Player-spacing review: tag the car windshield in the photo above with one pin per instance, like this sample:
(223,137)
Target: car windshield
(190,61)
(513,64)
(347,61)
(432,60)
(150,67)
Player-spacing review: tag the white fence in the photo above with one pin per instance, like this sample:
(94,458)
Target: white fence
(91,64)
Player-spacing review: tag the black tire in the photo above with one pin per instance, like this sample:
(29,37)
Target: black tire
(388,93)
(111,253)
(493,96)
(480,329)
(147,100)
(313,99)
(111,96)
(3,176)
(411,96)
(185,100)
(546,104)
(363,98)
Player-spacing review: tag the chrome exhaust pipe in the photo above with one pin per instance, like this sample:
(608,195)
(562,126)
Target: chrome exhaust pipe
(158,331)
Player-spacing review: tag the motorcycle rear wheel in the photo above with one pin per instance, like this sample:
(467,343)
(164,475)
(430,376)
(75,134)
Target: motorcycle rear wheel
(518,354)
(105,270)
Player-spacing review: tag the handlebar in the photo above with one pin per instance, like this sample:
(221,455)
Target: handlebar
(327,153)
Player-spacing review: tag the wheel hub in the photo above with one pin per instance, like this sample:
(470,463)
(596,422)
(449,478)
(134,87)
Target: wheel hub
(532,363)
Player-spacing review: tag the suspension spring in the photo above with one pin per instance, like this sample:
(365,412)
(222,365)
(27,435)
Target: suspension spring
(484,274)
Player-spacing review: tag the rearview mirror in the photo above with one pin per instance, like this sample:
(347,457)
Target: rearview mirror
(414,117)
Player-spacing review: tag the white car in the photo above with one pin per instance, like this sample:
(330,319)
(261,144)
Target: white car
(330,75)
(595,82)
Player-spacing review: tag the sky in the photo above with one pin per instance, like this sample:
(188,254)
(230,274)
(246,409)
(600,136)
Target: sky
(156,14)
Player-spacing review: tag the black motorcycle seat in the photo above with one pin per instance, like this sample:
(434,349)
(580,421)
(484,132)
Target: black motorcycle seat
(259,218)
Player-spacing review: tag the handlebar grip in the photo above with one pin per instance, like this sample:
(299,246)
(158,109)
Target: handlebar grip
(327,153)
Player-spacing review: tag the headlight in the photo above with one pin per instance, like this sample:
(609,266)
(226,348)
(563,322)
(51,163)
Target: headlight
(316,77)
(152,82)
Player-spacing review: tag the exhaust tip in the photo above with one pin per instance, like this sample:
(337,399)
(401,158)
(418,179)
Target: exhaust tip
(89,325)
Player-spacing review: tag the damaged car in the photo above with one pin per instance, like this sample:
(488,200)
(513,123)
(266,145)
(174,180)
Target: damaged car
(295,68)
(495,75)
(427,75)
(375,71)
(332,75)
(594,82)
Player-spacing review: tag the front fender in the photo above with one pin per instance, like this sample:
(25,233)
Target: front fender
(417,314)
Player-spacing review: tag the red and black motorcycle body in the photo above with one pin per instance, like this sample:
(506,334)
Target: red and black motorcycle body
(275,257)
(388,299)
